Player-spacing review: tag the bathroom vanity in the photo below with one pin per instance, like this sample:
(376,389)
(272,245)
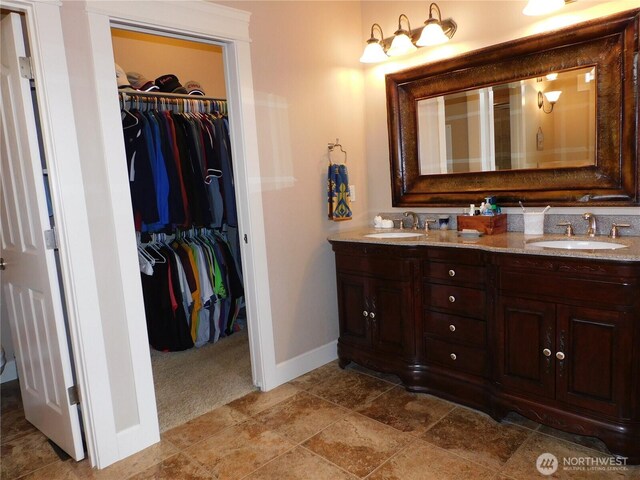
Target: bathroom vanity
(497,325)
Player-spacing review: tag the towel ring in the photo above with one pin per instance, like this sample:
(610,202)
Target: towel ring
(332,146)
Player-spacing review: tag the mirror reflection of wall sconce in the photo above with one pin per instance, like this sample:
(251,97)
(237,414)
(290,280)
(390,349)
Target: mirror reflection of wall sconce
(552,97)
(434,32)
(590,76)
(535,8)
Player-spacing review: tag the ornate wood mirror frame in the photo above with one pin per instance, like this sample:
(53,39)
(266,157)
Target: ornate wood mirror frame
(610,44)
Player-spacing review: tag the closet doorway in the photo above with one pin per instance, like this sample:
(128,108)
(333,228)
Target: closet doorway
(173,93)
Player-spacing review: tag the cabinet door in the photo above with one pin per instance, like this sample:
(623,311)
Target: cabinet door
(595,347)
(525,345)
(353,309)
(391,303)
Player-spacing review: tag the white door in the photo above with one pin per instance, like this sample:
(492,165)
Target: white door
(29,280)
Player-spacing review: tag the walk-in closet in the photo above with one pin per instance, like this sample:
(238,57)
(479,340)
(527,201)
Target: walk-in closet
(176,129)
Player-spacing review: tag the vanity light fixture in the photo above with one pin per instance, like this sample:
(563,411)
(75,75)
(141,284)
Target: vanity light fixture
(374,52)
(401,44)
(552,97)
(405,40)
(437,31)
(551,76)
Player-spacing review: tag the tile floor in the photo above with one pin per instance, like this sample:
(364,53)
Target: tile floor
(329,424)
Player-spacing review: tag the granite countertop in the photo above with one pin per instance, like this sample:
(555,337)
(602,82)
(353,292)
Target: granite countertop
(510,242)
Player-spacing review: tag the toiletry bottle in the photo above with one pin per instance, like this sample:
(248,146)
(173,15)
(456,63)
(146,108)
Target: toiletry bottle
(472,209)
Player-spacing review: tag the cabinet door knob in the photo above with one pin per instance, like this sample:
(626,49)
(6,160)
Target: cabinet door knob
(560,356)
(452,273)
(546,352)
(452,298)
(452,328)
(365,313)
(372,315)
(453,356)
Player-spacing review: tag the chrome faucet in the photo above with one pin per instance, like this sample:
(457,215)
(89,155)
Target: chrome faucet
(416,220)
(593,226)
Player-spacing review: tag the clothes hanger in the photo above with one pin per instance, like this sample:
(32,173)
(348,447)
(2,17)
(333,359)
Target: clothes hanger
(123,98)
(153,248)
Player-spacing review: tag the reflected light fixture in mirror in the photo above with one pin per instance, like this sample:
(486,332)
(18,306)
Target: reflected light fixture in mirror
(542,7)
(374,51)
(436,32)
(552,97)
(401,44)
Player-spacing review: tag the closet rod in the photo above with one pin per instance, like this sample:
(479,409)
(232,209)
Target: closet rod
(136,93)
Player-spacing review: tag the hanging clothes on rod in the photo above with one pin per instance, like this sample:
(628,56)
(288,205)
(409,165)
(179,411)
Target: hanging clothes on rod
(181,179)
(194,295)
(180,165)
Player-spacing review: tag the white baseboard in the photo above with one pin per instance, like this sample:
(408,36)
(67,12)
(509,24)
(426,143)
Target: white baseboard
(10,372)
(304,363)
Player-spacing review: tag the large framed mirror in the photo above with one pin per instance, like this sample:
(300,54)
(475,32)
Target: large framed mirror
(551,118)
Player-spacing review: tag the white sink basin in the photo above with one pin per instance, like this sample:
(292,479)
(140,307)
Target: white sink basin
(393,235)
(577,244)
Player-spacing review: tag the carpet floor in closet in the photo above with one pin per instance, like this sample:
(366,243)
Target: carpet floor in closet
(196,381)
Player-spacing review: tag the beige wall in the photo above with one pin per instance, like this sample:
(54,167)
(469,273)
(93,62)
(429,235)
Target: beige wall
(309,90)
(480,24)
(155,55)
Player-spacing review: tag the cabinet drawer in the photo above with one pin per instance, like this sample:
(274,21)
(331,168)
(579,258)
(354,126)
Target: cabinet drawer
(596,289)
(380,267)
(457,357)
(456,255)
(460,300)
(455,273)
(453,328)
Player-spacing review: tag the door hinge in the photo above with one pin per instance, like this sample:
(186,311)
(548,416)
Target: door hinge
(74,395)
(26,70)
(50,239)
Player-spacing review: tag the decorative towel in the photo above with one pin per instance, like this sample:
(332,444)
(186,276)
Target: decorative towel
(338,193)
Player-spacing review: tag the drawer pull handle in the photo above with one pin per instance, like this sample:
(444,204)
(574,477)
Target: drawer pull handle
(372,315)
(560,356)
(452,298)
(452,273)
(453,329)
(546,352)
(365,313)
(453,356)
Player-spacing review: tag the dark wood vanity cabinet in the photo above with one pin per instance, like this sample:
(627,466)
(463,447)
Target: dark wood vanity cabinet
(555,339)
(454,310)
(566,345)
(375,304)
(578,356)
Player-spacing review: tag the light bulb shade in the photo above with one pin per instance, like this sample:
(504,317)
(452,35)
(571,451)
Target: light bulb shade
(432,34)
(542,7)
(401,44)
(553,96)
(373,53)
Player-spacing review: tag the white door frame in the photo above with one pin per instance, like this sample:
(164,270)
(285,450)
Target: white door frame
(106,442)
(44,35)
(196,19)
